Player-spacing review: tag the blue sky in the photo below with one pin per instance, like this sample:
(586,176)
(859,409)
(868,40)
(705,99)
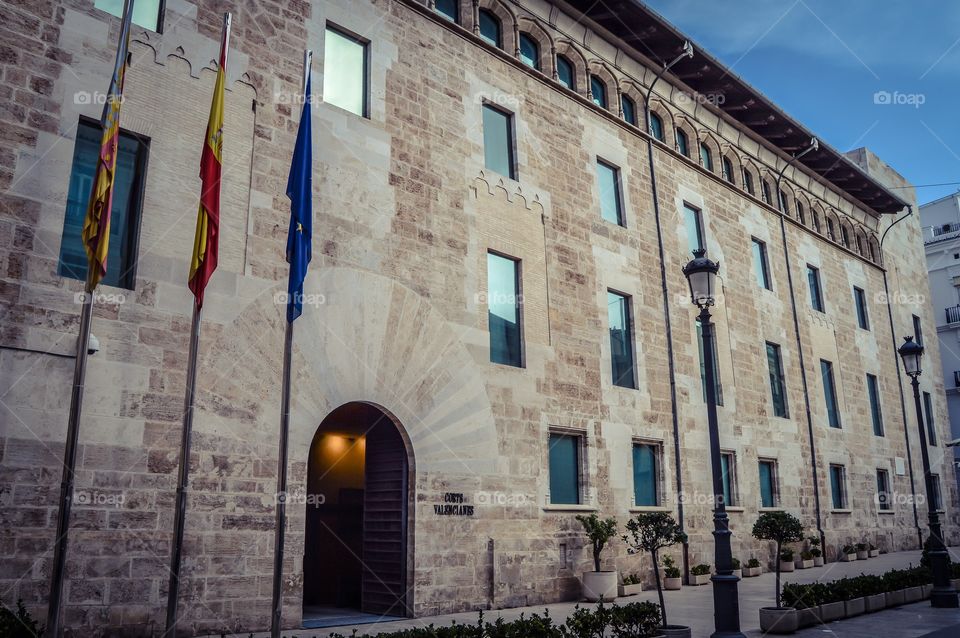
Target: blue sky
(824,61)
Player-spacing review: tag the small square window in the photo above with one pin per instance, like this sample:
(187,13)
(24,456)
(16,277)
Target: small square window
(565,468)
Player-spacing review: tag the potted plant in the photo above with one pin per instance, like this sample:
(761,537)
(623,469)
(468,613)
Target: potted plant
(816,551)
(786,560)
(599,585)
(806,559)
(848,554)
(631,585)
(753,568)
(863,551)
(873,551)
(651,532)
(873,592)
(804,599)
(781,528)
(671,575)
(737,571)
(700,573)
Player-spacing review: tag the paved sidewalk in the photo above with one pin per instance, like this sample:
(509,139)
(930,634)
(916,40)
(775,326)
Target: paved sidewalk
(693,606)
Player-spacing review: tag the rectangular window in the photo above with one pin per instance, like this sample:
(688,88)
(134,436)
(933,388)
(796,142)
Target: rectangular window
(777,384)
(768,483)
(125,212)
(146,13)
(564,469)
(876,416)
(621,340)
(917,330)
(830,393)
(728,472)
(345,71)
(936,496)
(498,141)
(838,486)
(611,204)
(760,264)
(694,222)
(816,293)
(718,387)
(860,299)
(503,310)
(646,474)
(884,502)
(928,414)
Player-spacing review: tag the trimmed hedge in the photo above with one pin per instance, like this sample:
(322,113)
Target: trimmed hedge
(634,620)
(848,588)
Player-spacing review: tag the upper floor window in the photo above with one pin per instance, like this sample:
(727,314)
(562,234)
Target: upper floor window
(728,476)
(768,483)
(748,182)
(706,157)
(124,213)
(917,330)
(873,393)
(831,232)
(728,170)
(784,203)
(611,205)
(656,127)
(777,382)
(928,415)
(498,141)
(760,266)
(816,221)
(767,196)
(598,90)
(860,301)
(621,340)
(845,236)
(646,474)
(838,487)
(801,217)
(450,9)
(683,143)
(503,310)
(565,73)
(694,222)
(629,109)
(529,51)
(830,393)
(489,27)
(146,13)
(345,71)
(565,468)
(816,293)
(884,500)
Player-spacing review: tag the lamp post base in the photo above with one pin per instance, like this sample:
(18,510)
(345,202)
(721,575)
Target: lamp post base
(946,598)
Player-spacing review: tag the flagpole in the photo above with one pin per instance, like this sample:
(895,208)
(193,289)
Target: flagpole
(281,496)
(183,477)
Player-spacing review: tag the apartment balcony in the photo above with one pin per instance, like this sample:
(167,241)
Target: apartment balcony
(943,232)
(953,314)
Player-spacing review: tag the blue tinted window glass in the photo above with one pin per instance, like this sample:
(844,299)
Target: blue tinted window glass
(529,51)
(875,415)
(706,157)
(629,110)
(766,485)
(498,141)
(860,300)
(775,370)
(694,224)
(599,91)
(565,73)
(503,311)
(645,475)
(760,264)
(621,340)
(146,13)
(564,469)
(609,182)
(830,393)
(726,470)
(816,295)
(656,126)
(489,27)
(449,9)
(837,491)
(683,144)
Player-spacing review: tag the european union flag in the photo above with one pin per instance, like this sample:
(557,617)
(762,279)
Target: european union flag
(300,192)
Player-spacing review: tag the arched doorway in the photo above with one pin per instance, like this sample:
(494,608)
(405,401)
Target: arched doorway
(355,545)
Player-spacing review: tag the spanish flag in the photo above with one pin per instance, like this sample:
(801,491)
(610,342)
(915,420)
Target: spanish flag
(205,244)
(96,225)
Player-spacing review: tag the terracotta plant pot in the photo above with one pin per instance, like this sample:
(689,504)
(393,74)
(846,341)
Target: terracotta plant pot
(597,585)
(675,631)
(778,620)
(876,602)
(786,566)
(630,590)
(894,598)
(672,584)
(818,561)
(832,611)
(750,572)
(855,607)
(808,617)
(912,594)
(805,564)
(863,555)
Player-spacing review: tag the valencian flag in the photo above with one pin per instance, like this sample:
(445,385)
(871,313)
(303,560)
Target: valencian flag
(96,224)
(300,192)
(206,241)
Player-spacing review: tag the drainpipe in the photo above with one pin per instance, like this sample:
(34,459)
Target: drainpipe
(896,358)
(814,145)
(687,53)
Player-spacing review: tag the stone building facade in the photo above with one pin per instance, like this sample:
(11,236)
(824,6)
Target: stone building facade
(406,215)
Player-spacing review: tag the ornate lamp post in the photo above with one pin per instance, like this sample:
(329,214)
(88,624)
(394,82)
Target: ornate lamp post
(943,594)
(701,274)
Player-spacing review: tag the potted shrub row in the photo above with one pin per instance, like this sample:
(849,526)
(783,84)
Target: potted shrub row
(630,585)
(700,574)
(752,569)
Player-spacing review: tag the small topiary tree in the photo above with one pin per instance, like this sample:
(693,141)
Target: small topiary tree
(779,527)
(599,531)
(650,532)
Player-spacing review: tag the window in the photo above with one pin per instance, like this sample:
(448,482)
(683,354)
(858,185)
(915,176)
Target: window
(884,502)
(621,340)
(816,295)
(717,386)
(860,301)
(830,393)
(694,223)
(656,127)
(646,474)
(489,27)
(928,414)
(611,206)
(706,157)
(503,310)
(784,203)
(629,109)
(124,213)
(449,9)
(345,72)
(767,197)
(936,495)
(838,487)
(146,13)
(816,221)
(683,144)
(498,141)
(845,236)
(748,182)
(598,90)
(831,233)
(876,416)
(529,51)
(564,469)
(917,330)
(777,383)
(760,266)
(801,216)
(565,75)
(728,475)
(768,483)
(727,170)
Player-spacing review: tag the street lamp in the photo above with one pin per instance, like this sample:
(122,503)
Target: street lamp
(943,594)
(701,274)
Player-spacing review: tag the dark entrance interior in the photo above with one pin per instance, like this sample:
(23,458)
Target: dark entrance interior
(356,519)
